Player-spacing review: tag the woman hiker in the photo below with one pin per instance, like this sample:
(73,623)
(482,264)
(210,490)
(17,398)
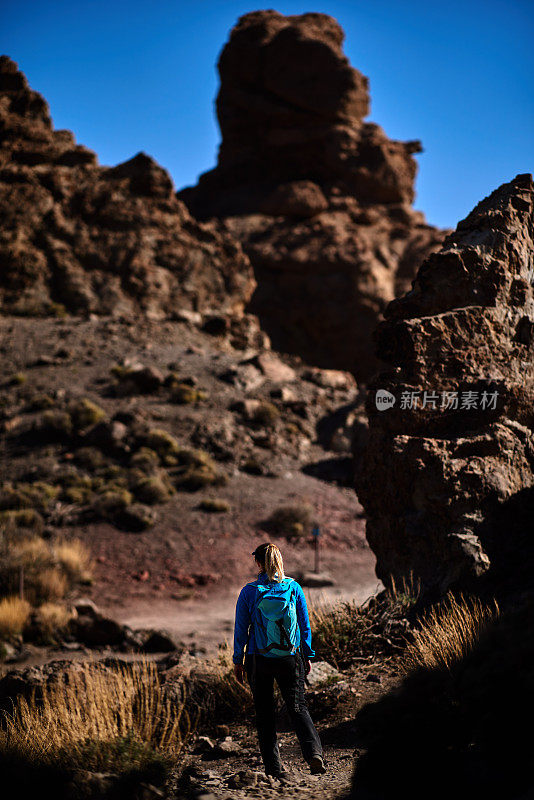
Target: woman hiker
(272,621)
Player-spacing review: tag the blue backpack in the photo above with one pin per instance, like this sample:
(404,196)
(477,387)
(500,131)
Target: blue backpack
(276,630)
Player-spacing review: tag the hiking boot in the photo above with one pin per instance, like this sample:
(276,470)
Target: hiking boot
(317,766)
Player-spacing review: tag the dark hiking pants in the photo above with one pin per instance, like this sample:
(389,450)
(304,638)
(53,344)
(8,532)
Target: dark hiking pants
(288,672)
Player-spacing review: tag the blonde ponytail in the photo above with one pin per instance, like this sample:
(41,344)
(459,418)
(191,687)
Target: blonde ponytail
(274,563)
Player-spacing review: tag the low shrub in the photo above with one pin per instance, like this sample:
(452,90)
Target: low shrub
(136,518)
(37,495)
(265,414)
(153,489)
(164,444)
(183,394)
(22,518)
(344,632)
(18,379)
(40,402)
(145,459)
(55,423)
(111,503)
(90,458)
(85,413)
(14,614)
(214,506)
(192,479)
(253,466)
(292,521)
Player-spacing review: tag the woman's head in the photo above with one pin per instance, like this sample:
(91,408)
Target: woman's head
(269,559)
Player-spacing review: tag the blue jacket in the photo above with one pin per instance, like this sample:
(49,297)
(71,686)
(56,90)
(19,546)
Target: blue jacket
(244,629)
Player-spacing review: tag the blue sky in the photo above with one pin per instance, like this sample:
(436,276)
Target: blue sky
(130,76)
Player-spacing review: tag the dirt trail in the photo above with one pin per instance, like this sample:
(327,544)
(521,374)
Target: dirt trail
(209,621)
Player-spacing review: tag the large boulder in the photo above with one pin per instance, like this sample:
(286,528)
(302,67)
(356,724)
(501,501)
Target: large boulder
(104,240)
(319,199)
(447,474)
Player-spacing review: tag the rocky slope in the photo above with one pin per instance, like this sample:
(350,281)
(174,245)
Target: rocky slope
(446,474)
(97,239)
(319,199)
(166,449)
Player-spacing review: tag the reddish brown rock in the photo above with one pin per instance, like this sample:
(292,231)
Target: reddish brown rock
(319,199)
(97,239)
(447,489)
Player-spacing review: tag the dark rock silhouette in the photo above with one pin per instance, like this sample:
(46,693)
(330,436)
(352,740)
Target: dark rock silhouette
(319,199)
(440,477)
(97,239)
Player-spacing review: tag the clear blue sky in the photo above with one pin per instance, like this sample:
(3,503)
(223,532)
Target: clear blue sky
(130,76)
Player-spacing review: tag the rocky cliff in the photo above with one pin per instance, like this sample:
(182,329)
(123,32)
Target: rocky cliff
(319,199)
(449,466)
(97,239)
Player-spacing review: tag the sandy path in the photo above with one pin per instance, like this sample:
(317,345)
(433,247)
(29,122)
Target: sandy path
(209,621)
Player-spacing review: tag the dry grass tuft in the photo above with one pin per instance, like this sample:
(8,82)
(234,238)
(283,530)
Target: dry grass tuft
(14,614)
(449,632)
(53,618)
(48,585)
(98,718)
(75,560)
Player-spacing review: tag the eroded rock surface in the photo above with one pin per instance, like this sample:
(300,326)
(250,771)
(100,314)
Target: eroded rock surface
(319,199)
(445,478)
(97,239)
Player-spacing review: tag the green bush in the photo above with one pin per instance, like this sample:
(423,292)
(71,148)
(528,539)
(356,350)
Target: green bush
(164,444)
(37,495)
(85,413)
(183,394)
(40,402)
(56,423)
(145,459)
(292,521)
(266,414)
(214,506)
(153,489)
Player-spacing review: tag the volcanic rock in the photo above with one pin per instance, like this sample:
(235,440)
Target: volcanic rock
(97,239)
(449,464)
(319,199)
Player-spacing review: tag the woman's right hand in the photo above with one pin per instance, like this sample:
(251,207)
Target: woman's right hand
(239,672)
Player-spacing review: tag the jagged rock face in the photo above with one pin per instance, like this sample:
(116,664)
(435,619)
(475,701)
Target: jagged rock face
(97,239)
(319,199)
(444,486)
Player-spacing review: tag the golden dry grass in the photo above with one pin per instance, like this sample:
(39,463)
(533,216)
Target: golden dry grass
(449,633)
(48,585)
(84,719)
(14,613)
(75,560)
(53,617)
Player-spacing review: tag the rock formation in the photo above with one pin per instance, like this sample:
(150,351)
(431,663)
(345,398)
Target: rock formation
(449,465)
(98,239)
(319,199)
